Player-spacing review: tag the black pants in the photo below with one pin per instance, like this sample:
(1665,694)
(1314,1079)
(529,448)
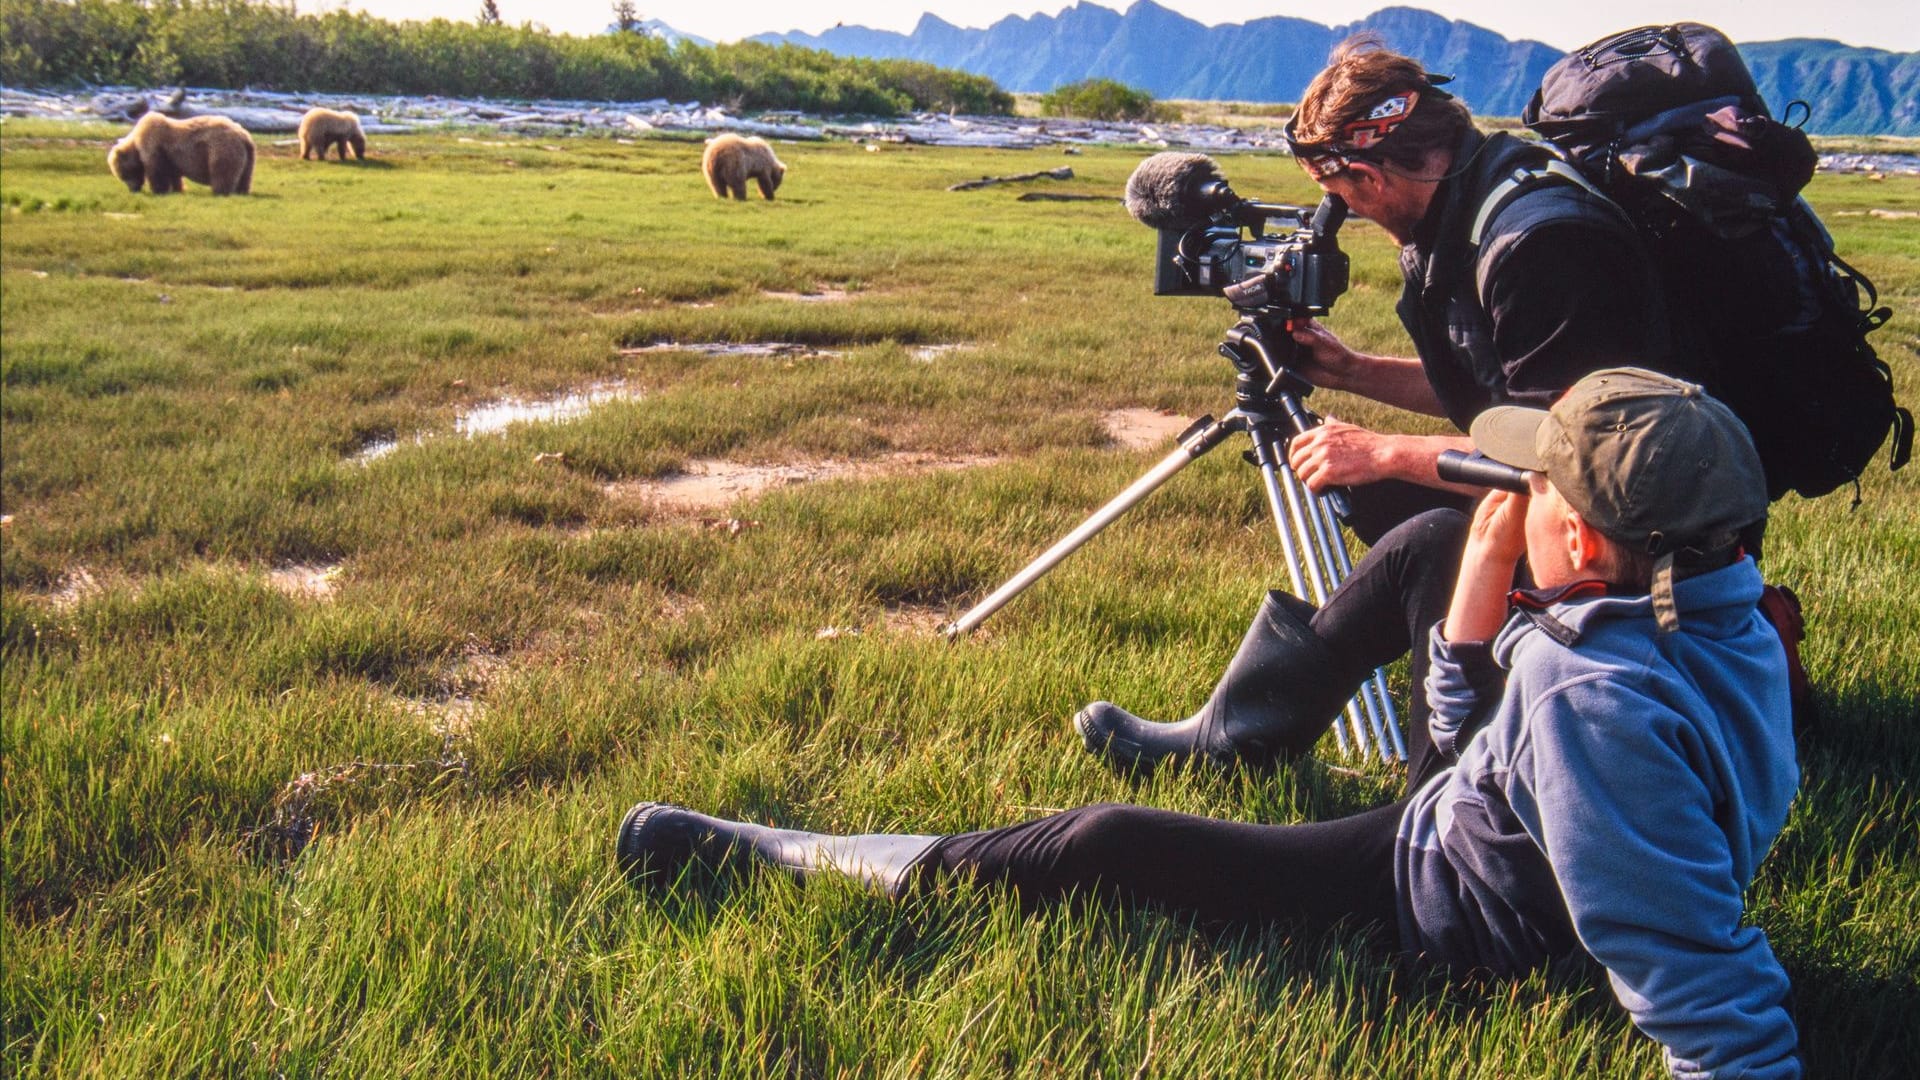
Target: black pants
(1315,873)
(1318,872)
(1388,606)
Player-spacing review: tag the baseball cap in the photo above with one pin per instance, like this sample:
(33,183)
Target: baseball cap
(1650,461)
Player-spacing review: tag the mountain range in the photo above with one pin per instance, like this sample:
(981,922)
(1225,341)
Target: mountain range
(1850,89)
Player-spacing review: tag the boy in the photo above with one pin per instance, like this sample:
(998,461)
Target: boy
(1615,789)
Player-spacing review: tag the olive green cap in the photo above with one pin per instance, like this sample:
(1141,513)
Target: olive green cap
(1650,461)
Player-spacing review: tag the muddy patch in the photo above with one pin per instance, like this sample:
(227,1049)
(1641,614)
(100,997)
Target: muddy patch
(914,620)
(451,712)
(820,294)
(496,416)
(1143,429)
(76,585)
(305,581)
(731,348)
(711,485)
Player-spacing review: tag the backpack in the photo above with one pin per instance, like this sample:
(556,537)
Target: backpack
(1667,123)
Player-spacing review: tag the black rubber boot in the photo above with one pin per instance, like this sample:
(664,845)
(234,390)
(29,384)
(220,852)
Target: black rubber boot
(657,839)
(1276,699)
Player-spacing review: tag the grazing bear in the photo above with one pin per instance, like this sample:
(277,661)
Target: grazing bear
(323,129)
(731,160)
(161,151)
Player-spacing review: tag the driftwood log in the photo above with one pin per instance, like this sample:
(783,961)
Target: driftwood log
(1063,196)
(1064,172)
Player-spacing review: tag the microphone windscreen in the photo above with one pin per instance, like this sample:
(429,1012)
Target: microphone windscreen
(1162,192)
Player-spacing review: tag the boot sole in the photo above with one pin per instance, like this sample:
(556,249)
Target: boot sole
(644,851)
(1121,755)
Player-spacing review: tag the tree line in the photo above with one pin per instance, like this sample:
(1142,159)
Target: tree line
(237,44)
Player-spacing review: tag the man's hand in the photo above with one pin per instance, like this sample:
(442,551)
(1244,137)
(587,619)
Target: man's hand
(1323,360)
(1337,454)
(1326,361)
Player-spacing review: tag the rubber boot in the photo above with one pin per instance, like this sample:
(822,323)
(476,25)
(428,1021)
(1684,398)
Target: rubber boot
(657,839)
(1276,699)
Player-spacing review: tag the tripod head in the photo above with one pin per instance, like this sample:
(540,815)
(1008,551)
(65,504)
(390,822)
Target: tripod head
(1261,349)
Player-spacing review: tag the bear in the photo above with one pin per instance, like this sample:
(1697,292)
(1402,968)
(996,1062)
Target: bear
(161,151)
(322,129)
(731,160)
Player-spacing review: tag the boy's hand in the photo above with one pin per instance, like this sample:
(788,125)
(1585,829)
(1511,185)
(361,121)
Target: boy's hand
(1499,527)
(1495,542)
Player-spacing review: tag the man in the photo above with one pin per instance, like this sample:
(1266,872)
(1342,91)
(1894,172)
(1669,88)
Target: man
(1627,754)
(1512,308)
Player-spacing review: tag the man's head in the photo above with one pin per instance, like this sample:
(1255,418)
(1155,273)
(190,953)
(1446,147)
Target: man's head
(1636,469)
(1374,129)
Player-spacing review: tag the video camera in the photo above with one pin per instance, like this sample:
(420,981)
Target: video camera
(1265,258)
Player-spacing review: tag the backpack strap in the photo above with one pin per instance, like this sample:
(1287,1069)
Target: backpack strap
(1521,180)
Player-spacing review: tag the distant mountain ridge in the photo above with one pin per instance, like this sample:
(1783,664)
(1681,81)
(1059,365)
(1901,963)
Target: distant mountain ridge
(1852,90)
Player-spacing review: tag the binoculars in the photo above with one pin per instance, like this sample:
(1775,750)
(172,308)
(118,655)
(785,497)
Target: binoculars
(1481,471)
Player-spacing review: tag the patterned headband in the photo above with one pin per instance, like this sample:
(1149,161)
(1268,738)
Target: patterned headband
(1332,157)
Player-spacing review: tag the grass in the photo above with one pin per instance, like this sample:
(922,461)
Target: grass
(512,651)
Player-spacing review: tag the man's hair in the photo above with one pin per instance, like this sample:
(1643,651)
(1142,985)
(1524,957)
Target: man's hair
(1359,74)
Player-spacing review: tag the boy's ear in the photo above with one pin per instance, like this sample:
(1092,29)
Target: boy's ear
(1586,547)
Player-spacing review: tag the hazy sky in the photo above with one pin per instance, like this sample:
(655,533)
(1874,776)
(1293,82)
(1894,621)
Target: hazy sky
(1887,24)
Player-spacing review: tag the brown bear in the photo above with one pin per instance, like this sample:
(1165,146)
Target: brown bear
(323,129)
(731,160)
(161,151)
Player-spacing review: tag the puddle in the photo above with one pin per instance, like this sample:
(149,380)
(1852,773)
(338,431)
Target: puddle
(731,348)
(1143,429)
(930,353)
(307,581)
(711,485)
(496,416)
(822,295)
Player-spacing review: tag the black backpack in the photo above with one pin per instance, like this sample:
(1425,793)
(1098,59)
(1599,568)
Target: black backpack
(1666,122)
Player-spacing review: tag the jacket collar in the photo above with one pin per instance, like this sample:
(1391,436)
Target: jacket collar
(1712,604)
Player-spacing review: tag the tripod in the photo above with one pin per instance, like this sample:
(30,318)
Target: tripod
(1268,407)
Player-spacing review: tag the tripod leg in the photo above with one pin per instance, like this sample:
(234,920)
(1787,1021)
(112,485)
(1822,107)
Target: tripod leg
(1202,436)
(1300,504)
(1376,688)
(1301,567)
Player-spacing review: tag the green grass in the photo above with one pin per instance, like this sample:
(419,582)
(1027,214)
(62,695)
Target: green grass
(511,655)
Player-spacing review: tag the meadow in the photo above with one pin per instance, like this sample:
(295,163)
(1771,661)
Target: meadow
(319,712)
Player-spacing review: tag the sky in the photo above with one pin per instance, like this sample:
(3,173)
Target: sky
(1886,24)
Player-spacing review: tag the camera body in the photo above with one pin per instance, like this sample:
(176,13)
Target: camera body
(1262,257)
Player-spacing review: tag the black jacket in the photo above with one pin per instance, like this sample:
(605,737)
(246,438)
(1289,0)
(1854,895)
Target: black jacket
(1559,286)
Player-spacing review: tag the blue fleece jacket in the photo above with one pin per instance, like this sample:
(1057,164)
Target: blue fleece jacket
(1619,799)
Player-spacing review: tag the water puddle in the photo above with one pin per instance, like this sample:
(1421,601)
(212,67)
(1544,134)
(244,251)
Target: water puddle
(496,416)
(1143,429)
(712,485)
(731,348)
(927,354)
